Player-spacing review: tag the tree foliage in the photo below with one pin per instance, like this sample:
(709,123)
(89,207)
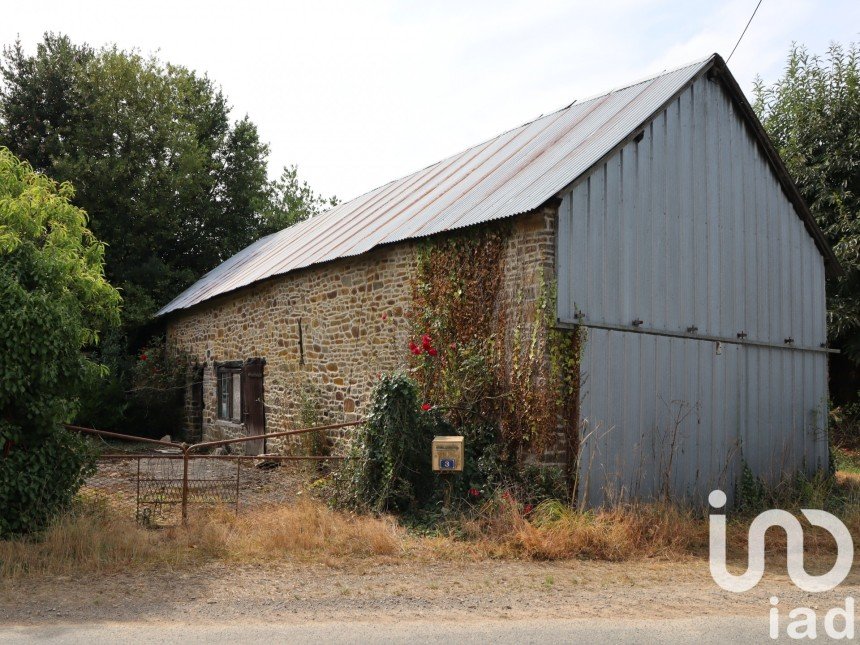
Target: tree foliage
(293,201)
(54,297)
(39,481)
(388,468)
(812,114)
(55,303)
(171,184)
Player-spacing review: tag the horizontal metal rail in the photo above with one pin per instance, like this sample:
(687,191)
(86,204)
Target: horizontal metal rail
(120,456)
(124,437)
(184,447)
(184,452)
(638,329)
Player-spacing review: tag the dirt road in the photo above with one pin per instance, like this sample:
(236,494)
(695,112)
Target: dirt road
(570,598)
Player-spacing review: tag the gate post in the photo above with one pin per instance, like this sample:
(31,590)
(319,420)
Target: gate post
(185,448)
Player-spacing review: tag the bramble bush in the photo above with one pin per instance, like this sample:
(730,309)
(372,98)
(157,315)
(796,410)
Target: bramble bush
(155,402)
(388,468)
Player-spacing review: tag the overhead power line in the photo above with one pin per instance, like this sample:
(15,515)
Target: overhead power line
(744,31)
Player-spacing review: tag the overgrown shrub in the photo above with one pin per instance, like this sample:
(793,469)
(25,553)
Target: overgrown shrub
(541,483)
(103,401)
(38,481)
(844,426)
(484,467)
(156,398)
(55,303)
(143,395)
(388,468)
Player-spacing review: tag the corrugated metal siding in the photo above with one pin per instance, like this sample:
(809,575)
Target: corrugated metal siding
(690,227)
(514,173)
(644,395)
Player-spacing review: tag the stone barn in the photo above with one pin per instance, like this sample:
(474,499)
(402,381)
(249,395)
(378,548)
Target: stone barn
(662,222)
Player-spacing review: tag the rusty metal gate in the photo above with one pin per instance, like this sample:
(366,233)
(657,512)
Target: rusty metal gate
(165,488)
(163,484)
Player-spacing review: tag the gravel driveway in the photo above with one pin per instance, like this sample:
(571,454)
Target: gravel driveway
(642,601)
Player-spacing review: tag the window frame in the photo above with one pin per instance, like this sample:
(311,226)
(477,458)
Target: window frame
(224,374)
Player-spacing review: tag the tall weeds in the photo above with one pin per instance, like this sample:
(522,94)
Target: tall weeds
(554,531)
(95,538)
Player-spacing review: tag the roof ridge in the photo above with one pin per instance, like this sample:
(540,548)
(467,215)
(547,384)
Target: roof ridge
(593,97)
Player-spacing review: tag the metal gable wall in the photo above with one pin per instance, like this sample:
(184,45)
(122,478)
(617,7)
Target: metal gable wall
(511,174)
(688,233)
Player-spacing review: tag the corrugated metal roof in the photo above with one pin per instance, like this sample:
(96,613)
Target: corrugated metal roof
(512,174)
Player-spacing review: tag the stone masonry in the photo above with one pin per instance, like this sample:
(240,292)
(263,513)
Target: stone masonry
(354,319)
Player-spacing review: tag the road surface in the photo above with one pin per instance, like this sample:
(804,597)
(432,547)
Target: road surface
(699,630)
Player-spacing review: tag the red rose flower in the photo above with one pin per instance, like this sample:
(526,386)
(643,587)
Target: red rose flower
(426,407)
(474,492)
(425,341)
(143,357)
(414,348)
(432,351)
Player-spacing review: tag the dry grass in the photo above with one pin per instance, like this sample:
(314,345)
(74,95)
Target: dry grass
(306,529)
(553,531)
(96,538)
(91,539)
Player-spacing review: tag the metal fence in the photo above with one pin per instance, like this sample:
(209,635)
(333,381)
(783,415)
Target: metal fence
(160,482)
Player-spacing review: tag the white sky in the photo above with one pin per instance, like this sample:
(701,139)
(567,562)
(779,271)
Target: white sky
(359,93)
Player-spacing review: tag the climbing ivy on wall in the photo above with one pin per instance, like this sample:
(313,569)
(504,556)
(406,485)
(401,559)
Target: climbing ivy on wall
(565,348)
(455,323)
(481,361)
(544,375)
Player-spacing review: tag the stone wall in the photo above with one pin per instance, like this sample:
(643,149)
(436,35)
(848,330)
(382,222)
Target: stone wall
(194,406)
(353,326)
(353,314)
(530,267)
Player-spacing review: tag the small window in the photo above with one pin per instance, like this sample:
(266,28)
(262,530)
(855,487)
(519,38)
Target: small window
(230,393)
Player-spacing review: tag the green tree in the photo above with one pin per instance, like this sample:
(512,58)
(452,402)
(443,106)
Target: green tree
(292,201)
(812,114)
(55,302)
(170,184)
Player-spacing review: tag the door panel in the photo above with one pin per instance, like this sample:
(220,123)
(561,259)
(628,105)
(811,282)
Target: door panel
(254,409)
